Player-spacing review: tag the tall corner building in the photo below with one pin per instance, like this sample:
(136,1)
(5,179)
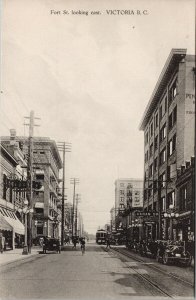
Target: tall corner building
(128,194)
(45,201)
(169,135)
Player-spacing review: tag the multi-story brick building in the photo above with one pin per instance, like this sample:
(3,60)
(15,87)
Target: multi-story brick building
(128,197)
(169,135)
(183,227)
(12,171)
(46,203)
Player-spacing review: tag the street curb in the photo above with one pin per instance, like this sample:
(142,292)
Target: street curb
(18,260)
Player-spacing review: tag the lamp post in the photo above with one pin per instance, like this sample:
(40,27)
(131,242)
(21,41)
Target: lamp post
(171,215)
(25,211)
(55,224)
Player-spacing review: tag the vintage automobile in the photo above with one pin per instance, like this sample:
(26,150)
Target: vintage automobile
(174,253)
(51,244)
(148,248)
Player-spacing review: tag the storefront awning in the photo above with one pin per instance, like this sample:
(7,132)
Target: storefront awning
(4,225)
(13,222)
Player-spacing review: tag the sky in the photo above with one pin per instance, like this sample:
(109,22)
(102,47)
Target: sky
(89,77)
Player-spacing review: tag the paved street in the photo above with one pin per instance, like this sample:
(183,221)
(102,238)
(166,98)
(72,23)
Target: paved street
(95,275)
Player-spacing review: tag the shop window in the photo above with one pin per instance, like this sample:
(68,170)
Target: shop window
(40,230)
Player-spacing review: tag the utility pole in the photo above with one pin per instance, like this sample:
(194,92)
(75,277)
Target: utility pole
(31,125)
(74,181)
(76,217)
(64,147)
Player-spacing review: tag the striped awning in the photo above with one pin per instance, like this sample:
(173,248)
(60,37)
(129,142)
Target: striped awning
(4,225)
(10,218)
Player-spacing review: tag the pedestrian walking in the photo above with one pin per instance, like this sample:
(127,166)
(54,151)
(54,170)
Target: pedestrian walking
(2,242)
(108,244)
(74,243)
(82,242)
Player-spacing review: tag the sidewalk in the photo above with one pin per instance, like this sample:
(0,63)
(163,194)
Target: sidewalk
(15,255)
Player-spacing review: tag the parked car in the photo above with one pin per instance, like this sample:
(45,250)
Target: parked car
(151,249)
(36,241)
(174,253)
(51,244)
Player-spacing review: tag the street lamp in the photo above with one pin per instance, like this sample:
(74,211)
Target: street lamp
(25,211)
(171,215)
(55,224)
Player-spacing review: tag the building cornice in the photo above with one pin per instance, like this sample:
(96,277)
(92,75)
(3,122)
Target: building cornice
(175,56)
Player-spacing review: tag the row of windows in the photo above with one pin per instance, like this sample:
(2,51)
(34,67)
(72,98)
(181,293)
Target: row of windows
(171,149)
(171,173)
(171,121)
(154,166)
(164,204)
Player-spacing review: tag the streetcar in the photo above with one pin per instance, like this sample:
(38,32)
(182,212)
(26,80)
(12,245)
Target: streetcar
(101,236)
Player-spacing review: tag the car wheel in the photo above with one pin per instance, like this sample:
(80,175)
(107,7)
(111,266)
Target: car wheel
(165,258)
(188,263)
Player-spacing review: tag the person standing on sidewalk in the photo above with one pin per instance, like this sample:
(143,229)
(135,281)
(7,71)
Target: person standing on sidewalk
(2,242)
(108,243)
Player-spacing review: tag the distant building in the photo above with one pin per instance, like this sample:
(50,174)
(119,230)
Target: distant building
(169,136)
(128,196)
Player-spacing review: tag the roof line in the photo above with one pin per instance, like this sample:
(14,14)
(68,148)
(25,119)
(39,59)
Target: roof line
(181,52)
